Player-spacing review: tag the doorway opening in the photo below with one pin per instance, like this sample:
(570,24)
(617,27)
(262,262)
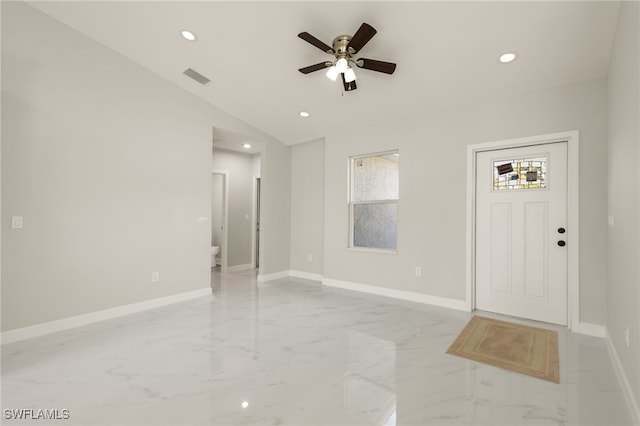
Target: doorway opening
(239,157)
(219,218)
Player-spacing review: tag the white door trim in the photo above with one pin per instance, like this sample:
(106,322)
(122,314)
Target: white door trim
(225,216)
(254,220)
(573,214)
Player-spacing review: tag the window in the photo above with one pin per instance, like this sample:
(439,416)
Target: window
(373,201)
(522,173)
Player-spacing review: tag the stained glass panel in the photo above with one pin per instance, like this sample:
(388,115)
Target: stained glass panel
(522,173)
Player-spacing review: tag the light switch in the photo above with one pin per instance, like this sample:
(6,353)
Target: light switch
(16,222)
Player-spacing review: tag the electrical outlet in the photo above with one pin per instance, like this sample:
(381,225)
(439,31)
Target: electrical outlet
(310,258)
(418,271)
(155,277)
(16,222)
(626,335)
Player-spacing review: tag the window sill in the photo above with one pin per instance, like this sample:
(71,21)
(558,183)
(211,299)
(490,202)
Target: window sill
(373,250)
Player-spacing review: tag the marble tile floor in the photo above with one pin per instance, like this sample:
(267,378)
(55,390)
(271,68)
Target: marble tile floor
(291,352)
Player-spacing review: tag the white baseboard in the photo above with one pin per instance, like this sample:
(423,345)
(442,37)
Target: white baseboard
(37,330)
(274,276)
(459,305)
(594,330)
(632,402)
(238,268)
(305,275)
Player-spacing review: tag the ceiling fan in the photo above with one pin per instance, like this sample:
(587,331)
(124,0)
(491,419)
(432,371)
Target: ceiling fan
(344,47)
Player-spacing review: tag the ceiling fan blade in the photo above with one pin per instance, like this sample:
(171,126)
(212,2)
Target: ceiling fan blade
(375,65)
(362,37)
(316,67)
(348,87)
(317,43)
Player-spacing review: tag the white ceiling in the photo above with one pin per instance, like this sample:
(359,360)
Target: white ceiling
(234,141)
(446,53)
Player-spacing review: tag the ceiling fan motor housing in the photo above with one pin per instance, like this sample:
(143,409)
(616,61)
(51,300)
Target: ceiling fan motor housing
(341,46)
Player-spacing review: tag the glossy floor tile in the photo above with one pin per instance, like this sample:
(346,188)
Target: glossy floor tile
(290,352)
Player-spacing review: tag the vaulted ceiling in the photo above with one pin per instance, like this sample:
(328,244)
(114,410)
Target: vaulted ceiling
(447,53)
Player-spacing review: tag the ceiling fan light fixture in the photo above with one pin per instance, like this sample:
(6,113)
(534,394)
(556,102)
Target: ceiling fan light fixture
(333,73)
(349,75)
(341,65)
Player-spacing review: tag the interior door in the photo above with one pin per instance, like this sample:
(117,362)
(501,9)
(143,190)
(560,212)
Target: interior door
(521,235)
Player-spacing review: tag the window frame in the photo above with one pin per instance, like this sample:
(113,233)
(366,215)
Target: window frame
(351,204)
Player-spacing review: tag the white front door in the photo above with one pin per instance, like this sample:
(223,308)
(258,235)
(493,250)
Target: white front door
(521,235)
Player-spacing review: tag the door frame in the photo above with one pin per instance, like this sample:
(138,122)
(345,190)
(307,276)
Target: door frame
(225,216)
(573,214)
(256,220)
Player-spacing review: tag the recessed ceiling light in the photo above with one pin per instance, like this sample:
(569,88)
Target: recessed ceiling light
(188,35)
(505,58)
(304,114)
(246,145)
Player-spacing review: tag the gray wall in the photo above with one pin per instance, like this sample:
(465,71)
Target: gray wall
(624,193)
(240,167)
(307,208)
(433,173)
(110,166)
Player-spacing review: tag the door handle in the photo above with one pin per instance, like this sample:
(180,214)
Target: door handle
(561,230)
(561,243)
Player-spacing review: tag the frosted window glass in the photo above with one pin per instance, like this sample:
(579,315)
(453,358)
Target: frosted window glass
(376,178)
(375,225)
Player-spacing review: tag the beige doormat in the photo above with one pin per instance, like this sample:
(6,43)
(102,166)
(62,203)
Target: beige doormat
(520,348)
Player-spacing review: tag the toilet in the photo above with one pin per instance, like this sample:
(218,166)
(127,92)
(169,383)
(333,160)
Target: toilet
(214,252)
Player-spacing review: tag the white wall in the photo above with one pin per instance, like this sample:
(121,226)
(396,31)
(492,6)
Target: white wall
(307,207)
(255,165)
(275,207)
(433,173)
(240,221)
(623,293)
(110,166)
